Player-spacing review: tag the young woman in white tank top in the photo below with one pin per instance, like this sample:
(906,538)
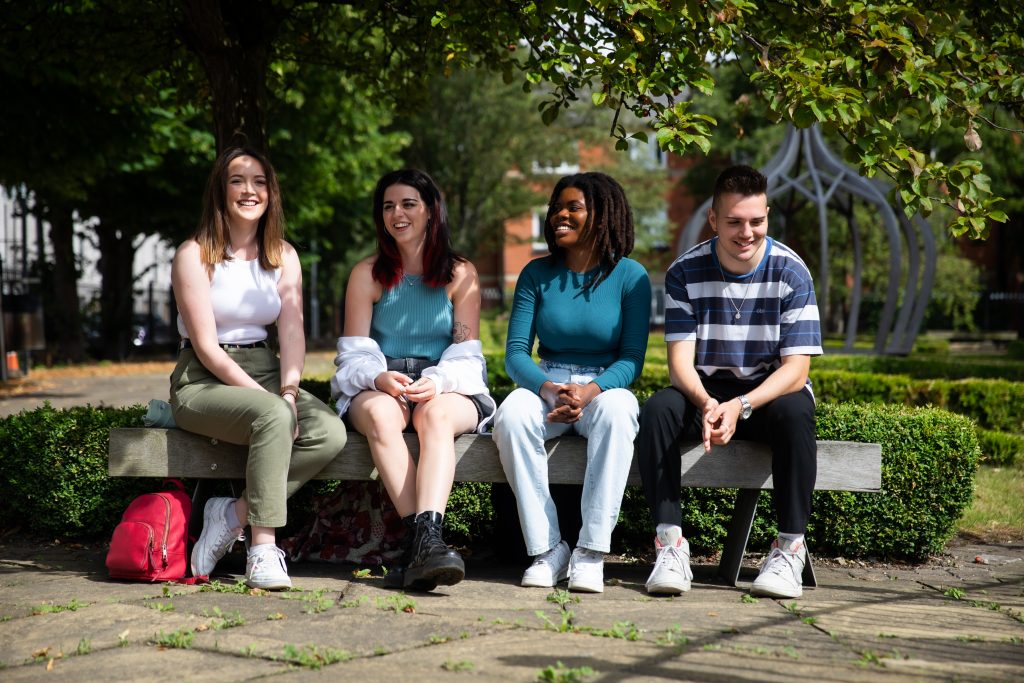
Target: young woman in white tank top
(235,276)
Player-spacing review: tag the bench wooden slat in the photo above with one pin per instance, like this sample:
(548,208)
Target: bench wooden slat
(152,452)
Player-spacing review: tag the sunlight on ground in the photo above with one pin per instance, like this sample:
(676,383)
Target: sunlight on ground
(997,513)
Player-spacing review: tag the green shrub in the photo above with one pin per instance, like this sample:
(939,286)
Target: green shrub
(999,448)
(928,462)
(995,404)
(1015,349)
(54,477)
(932,366)
(54,482)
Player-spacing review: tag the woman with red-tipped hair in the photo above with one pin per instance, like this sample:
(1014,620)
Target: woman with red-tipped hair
(411,355)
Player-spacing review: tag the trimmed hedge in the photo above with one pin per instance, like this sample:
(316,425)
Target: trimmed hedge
(999,448)
(994,403)
(54,482)
(929,458)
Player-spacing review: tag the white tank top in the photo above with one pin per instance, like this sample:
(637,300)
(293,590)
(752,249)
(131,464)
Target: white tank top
(245,300)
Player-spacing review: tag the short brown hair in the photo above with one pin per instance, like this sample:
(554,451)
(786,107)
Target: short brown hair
(743,180)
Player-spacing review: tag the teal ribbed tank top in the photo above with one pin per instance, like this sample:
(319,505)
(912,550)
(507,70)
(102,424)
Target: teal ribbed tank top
(413,320)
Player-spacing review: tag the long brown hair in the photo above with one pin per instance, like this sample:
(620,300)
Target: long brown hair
(212,232)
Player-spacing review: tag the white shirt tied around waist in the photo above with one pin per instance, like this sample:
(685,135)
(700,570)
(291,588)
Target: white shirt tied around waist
(245,300)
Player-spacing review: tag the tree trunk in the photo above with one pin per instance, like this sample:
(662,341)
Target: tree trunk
(232,41)
(117,257)
(67,322)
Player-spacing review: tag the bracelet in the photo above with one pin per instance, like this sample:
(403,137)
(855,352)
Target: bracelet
(289,389)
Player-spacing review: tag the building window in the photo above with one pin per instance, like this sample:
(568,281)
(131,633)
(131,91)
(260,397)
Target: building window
(538,242)
(648,154)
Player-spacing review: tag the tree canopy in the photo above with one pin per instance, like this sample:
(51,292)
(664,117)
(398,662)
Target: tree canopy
(859,69)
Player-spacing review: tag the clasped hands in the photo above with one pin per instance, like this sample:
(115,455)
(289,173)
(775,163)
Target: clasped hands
(394,383)
(718,424)
(568,400)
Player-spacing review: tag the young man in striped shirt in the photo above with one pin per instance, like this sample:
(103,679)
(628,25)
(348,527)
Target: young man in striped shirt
(741,324)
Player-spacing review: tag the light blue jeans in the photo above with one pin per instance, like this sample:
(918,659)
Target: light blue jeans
(609,424)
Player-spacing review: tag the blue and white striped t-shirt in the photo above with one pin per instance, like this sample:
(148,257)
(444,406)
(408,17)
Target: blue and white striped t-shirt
(778,314)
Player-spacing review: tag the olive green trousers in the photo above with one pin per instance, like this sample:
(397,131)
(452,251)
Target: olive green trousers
(277,465)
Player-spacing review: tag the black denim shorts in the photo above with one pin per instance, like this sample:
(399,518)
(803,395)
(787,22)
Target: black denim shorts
(414,367)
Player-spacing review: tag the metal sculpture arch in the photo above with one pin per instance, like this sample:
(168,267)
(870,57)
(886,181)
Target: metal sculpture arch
(804,165)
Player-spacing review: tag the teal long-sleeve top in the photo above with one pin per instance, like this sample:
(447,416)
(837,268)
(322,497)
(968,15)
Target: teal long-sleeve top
(604,326)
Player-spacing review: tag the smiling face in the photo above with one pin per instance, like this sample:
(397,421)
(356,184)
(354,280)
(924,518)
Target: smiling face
(246,193)
(405,214)
(569,219)
(741,222)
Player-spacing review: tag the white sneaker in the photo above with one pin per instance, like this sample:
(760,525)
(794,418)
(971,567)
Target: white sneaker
(265,568)
(586,571)
(782,572)
(548,568)
(672,574)
(216,538)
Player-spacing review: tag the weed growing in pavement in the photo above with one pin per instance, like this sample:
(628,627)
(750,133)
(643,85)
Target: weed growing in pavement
(566,621)
(161,606)
(397,603)
(314,656)
(994,606)
(315,600)
(84,647)
(562,598)
(275,616)
(624,630)
(179,640)
(438,640)
(954,593)
(810,621)
(249,651)
(355,602)
(793,608)
(560,673)
(122,638)
(222,621)
(791,652)
(459,666)
(868,657)
(886,635)
(49,608)
(673,637)
(971,639)
(380,651)
(237,587)
(749,599)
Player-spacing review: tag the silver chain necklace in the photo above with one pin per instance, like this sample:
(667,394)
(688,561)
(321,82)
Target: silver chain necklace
(746,291)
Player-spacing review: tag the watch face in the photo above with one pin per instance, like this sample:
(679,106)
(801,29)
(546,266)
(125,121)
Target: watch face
(746,409)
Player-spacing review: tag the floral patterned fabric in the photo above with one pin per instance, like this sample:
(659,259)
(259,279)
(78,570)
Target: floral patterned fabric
(356,523)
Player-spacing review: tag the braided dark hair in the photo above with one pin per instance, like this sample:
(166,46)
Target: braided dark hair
(610,219)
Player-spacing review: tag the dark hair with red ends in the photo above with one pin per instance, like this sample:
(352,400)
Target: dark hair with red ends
(745,181)
(609,217)
(439,258)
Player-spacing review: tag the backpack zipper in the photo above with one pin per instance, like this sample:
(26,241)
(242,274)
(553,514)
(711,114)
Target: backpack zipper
(167,527)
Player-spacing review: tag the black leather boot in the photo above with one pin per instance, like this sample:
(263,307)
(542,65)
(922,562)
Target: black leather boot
(395,578)
(433,562)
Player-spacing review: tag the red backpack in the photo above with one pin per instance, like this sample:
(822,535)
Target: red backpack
(150,542)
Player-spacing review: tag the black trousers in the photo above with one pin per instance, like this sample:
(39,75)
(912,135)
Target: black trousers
(786,425)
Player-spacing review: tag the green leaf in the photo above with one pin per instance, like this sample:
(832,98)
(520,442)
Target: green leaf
(598,98)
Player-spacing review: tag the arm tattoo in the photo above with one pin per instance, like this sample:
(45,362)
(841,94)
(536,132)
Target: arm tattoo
(460,332)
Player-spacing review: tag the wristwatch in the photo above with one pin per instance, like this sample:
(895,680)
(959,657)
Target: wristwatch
(746,408)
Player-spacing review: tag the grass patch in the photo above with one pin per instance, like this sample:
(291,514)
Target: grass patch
(50,608)
(314,656)
(995,513)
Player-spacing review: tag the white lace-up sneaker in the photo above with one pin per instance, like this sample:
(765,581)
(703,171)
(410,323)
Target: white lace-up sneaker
(548,568)
(672,574)
(216,539)
(782,572)
(265,568)
(586,571)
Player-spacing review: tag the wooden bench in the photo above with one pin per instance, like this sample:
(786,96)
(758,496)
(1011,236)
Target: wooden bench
(842,466)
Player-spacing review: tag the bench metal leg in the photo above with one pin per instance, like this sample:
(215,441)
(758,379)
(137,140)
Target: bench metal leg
(810,581)
(739,532)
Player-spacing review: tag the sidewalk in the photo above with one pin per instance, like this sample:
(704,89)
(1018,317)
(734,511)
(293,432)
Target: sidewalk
(60,615)
(959,617)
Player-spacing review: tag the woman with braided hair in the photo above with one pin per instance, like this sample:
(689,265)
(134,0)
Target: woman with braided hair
(588,306)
